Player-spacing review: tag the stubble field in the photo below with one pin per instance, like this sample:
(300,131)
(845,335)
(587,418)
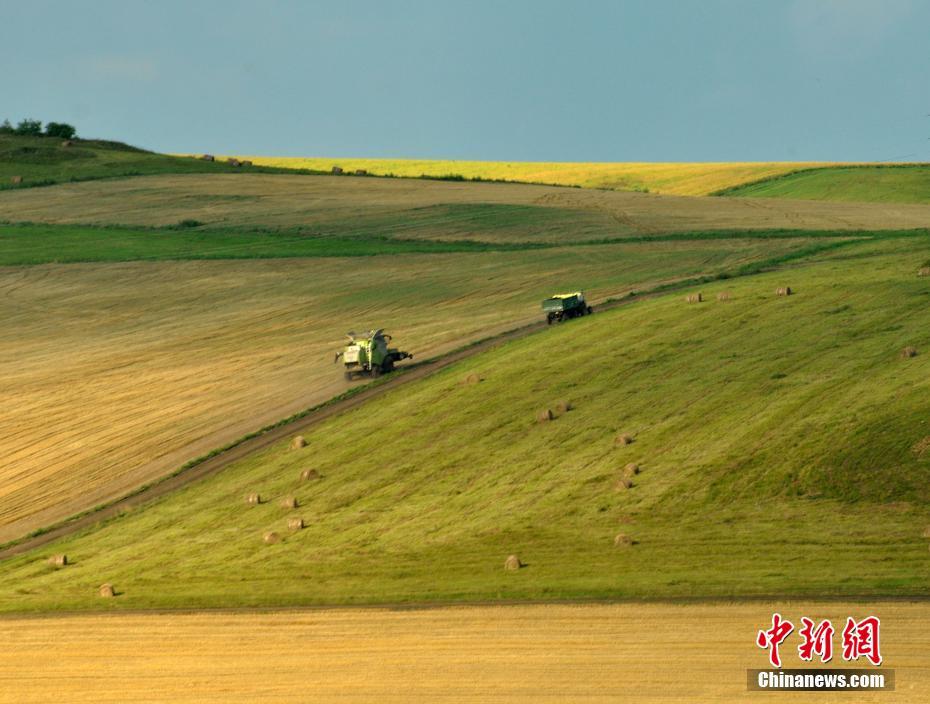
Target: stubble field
(507,654)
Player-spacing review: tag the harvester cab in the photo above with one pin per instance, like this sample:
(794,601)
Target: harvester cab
(368,354)
(563,306)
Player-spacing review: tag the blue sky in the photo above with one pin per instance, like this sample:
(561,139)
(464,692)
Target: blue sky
(710,80)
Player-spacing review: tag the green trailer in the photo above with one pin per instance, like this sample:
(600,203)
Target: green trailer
(563,306)
(368,354)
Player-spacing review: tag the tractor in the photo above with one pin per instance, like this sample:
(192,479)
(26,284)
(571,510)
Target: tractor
(563,306)
(368,354)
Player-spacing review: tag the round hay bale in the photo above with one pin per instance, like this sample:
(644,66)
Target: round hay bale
(926,532)
(289,502)
(270,538)
(512,563)
(208,157)
(16,179)
(58,560)
(624,483)
(295,523)
(337,169)
(361,172)
(246,162)
(622,540)
(783,291)
(623,439)
(563,407)
(724,296)
(908,352)
(107,591)
(632,469)
(309,475)
(694,298)
(544,415)
(472,379)
(298,442)
(233,161)
(253,499)
(923,271)
(67,143)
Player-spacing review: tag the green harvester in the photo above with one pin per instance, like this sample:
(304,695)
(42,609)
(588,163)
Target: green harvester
(368,354)
(563,306)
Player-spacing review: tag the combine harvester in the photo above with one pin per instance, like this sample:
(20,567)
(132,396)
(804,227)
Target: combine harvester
(563,306)
(368,354)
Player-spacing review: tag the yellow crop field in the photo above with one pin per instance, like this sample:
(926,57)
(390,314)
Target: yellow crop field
(432,209)
(683,179)
(508,654)
(115,374)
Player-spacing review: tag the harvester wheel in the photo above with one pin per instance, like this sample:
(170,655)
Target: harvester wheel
(590,310)
(348,376)
(388,365)
(375,371)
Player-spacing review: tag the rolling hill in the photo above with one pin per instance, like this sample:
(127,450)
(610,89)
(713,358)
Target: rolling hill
(781,442)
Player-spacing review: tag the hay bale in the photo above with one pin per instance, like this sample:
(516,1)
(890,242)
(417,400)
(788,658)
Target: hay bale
(563,407)
(926,532)
(512,563)
(232,161)
(631,470)
(253,499)
(246,162)
(58,560)
(16,179)
(544,415)
(724,296)
(694,298)
(298,442)
(623,439)
(908,352)
(270,538)
(361,172)
(208,157)
(623,484)
(923,271)
(289,502)
(472,379)
(67,143)
(783,291)
(337,170)
(295,523)
(622,540)
(107,591)
(309,475)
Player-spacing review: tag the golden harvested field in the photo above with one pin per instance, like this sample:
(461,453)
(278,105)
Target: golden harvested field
(683,179)
(115,374)
(505,654)
(414,208)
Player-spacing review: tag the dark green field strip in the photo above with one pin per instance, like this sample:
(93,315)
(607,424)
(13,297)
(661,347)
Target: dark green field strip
(41,244)
(29,244)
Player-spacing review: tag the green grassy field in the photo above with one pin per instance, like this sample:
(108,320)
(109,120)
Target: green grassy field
(782,443)
(873,184)
(27,244)
(41,161)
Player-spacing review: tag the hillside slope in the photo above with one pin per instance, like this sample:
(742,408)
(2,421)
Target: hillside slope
(782,443)
(347,206)
(30,161)
(908,183)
